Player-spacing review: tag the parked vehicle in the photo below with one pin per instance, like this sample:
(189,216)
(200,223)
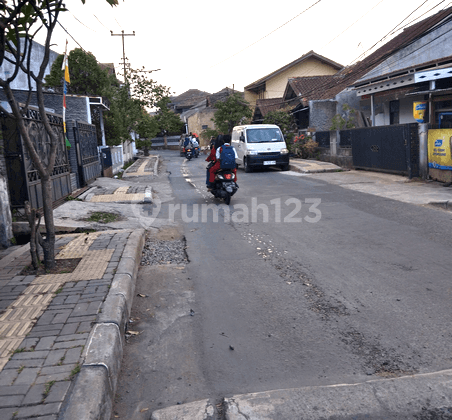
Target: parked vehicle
(224,186)
(260,145)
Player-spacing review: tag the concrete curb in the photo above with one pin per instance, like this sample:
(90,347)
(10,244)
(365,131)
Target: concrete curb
(384,398)
(296,168)
(197,410)
(156,165)
(446,204)
(425,394)
(91,397)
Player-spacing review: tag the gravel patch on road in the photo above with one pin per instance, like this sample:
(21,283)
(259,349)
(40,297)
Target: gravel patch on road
(156,252)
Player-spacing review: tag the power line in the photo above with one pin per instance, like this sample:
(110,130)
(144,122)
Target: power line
(356,21)
(65,30)
(99,21)
(327,84)
(391,31)
(78,20)
(423,14)
(254,43)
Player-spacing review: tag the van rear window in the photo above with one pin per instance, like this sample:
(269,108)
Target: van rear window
(263,135)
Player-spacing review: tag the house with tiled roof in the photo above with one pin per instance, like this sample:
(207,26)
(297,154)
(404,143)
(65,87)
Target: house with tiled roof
(187,100)
(416,68)
(274,84)
(412,67)
(264,106)
(199,117)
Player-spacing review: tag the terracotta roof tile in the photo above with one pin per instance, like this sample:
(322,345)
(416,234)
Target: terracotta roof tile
(267,105)
(329,88)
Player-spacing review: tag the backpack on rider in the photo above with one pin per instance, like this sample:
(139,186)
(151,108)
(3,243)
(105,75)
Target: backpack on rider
(227,157)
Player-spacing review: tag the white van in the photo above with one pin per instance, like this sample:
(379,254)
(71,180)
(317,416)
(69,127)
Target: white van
(260,145)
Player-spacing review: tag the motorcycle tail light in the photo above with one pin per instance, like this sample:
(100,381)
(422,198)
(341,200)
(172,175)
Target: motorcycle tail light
(228,176)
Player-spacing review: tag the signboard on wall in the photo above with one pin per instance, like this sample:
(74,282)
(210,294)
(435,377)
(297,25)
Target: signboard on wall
(439,149)
(419,109)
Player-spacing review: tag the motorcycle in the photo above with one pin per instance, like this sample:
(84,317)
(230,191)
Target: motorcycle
(188,153)
(224,186)
(196,152)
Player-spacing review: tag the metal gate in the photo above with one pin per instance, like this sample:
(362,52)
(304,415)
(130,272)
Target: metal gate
(323,139)
(392,148)
(23,178)
(84,155)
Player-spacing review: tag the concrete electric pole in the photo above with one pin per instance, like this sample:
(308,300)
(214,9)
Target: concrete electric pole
(122,34)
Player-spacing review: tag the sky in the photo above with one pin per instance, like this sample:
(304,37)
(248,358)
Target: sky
(207,45)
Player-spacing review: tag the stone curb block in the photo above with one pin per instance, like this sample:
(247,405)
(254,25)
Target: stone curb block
(124,286)
(115,311)
(156,165)
(104,348)
(98,376)
(197,410)
(93,405)
(135,244)
(91,397)
(148,195)
(127,266)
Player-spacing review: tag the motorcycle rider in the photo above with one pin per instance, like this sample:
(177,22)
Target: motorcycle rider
(211,159)
(195,144)
(226,139)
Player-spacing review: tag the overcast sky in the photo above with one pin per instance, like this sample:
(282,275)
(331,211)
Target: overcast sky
(209,45)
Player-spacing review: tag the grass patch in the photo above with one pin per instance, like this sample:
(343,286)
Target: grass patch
(70,198)
(102,217)
(74,372)
(127,165)
(48,387)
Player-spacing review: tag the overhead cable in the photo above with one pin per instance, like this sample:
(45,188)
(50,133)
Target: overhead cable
(254,43)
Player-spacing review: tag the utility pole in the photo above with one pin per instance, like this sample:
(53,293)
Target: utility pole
(122,34)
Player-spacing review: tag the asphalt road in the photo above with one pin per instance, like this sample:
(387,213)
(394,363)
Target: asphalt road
(298,283)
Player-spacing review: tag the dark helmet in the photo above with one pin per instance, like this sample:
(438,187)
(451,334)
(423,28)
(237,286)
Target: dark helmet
(219,141)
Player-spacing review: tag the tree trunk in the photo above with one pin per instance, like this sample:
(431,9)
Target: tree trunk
(48,246)
(165,141)
(34,251)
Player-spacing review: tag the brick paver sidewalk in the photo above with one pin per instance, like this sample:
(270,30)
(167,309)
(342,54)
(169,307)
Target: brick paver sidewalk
(45,322)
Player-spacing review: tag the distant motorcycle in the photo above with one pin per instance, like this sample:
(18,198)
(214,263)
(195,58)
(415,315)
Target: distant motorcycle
(196,152)
(188,153)
(224,186)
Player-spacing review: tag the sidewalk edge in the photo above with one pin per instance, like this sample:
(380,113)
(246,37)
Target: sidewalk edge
(91,396)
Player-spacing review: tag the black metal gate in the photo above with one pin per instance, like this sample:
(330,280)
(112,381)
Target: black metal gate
(323,139)
(84,155)
(23,178)
(392,148)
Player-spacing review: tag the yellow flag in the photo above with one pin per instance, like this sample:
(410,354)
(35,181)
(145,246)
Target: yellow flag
(65,66)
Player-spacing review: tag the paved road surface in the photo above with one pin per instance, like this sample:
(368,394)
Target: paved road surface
(330,286)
